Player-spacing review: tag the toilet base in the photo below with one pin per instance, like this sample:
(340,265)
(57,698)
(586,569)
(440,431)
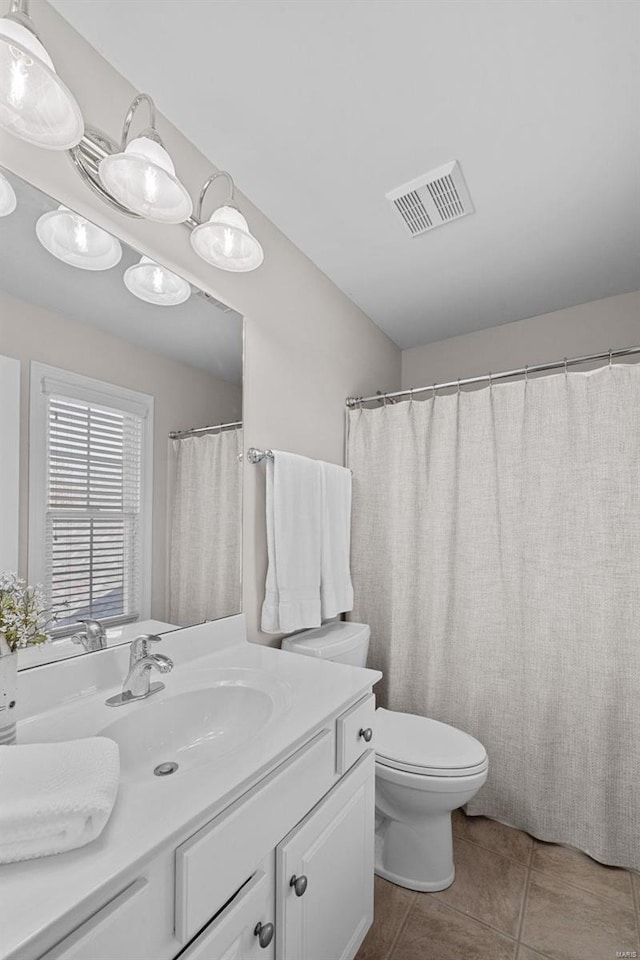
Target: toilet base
(417,857)
(413,884)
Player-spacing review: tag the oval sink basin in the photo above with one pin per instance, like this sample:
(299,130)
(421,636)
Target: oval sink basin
(189,728)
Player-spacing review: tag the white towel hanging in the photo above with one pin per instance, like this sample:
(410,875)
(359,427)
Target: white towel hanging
(336,591)
(294,530)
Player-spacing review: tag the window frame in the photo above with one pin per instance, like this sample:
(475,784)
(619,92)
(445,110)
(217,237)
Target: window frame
(9,462)
(45,380)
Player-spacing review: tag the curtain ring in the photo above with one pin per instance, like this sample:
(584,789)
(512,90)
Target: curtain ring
(490,380)
(610,357)
(565,366)
(458,386)
(434,391)
(526,374)
(411,389)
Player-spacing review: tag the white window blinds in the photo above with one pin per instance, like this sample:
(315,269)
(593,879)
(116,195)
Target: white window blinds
(93,504)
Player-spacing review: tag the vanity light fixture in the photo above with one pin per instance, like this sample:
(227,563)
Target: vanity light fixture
(135,176)
(77,241)
(224,240)
(35,105)
(153,283)
(141,175)
(8,200)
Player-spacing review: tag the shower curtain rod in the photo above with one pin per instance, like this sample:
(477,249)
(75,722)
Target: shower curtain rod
(490,377)
(179,434)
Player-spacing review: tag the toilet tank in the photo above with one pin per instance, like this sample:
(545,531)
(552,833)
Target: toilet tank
(340,641)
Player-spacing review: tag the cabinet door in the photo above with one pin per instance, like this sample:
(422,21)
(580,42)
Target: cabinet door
(332,848)
(232,935)
(112,931)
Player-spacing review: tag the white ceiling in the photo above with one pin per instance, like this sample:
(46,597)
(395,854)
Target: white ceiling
(320,107)
(196,332)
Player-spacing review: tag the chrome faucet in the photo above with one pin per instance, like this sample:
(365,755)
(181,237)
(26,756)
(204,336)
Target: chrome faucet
(137,685)
(94,636)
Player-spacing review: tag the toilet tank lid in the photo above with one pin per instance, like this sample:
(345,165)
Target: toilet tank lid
(329,640)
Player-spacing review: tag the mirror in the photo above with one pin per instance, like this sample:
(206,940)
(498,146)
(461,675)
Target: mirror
(129,509)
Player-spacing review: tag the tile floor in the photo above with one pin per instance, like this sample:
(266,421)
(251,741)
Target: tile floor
(514,898)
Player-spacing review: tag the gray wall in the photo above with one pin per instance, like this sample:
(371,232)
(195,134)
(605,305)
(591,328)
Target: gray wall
(307,346)
(183,396)
(587,328)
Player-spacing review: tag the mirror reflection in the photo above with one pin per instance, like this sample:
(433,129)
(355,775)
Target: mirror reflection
(121,432)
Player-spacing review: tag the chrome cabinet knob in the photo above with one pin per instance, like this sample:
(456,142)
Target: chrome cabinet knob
(366,734)
(299,885)
(264,933)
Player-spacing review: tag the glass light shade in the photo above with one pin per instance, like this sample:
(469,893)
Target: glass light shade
(225,242)
(76,241)
(8,200)
(35,105)
(143,180)
(149,281)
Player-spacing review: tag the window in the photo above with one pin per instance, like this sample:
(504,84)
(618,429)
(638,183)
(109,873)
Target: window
(90,497)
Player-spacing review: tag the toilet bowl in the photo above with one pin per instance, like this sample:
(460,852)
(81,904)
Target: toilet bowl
(424,771)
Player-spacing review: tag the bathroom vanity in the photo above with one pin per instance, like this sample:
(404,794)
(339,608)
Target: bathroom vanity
(260,844)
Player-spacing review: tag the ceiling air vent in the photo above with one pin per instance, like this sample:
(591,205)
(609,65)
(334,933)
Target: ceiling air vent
(432,199)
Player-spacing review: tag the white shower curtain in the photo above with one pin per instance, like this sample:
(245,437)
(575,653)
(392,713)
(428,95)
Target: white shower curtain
(496,555)
(205,528)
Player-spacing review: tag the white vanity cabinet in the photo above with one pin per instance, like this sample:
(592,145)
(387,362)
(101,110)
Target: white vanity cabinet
(317,904)
(324,873)
(283,873)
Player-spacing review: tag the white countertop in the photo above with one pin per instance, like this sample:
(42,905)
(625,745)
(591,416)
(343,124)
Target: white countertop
(150,813)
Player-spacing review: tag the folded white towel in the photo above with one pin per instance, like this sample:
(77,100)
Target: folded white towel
(55,796)
(294,529)
(336,591)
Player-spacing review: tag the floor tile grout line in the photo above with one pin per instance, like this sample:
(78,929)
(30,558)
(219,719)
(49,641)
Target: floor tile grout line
(505,856)
(470,916)
(536,950)
(535,840)
(394,942)
(550,874)
(525,896)
(576,886)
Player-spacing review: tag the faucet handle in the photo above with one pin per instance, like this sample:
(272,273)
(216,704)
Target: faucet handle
(140,646)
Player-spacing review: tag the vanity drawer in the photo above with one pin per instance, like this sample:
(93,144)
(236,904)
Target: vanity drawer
(119,929)
(220,857)
(351,742)
(231,936)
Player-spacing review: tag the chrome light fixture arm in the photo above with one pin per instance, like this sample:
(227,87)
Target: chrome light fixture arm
(205,186)
(94,147)
(19,13)
(150,131)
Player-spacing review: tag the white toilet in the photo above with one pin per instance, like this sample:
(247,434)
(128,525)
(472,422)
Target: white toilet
(424,770)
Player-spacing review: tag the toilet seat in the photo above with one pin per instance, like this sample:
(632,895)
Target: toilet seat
(425,747)
(431,771)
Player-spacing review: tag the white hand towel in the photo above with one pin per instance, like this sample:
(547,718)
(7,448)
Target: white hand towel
(336,591)
(294,530)
(55,796)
